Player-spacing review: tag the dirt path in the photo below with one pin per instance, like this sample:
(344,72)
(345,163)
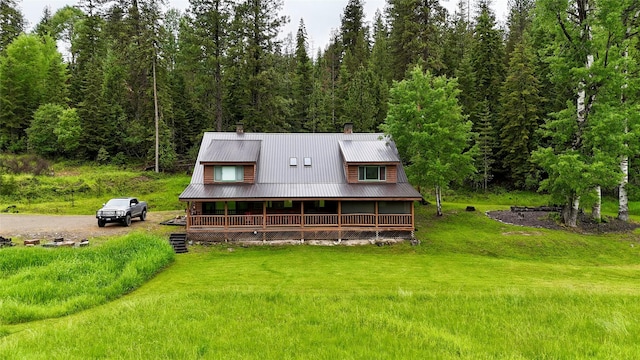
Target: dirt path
(76,227)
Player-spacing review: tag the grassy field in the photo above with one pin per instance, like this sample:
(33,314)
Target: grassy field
(81,190)
(474,289)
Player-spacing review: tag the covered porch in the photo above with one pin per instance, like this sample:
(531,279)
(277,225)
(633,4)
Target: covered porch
(305,215)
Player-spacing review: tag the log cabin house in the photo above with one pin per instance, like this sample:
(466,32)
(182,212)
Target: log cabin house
(298,186)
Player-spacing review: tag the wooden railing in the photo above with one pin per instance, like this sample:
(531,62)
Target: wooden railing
(320,220)
(283,220)
(359,219)
(296,220)
(388,219)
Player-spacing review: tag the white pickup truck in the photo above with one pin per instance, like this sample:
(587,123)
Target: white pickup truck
(121,210)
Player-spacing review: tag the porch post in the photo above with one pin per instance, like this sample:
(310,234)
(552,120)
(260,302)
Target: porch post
(339,220)
(376,215)
(264,215)
(226,215)
(302,220)
(264,221)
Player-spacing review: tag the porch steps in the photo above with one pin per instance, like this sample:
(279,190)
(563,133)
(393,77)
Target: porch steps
(179,242)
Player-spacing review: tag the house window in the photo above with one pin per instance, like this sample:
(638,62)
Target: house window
(372,173)
(307,161)
(293,161)
(228,173)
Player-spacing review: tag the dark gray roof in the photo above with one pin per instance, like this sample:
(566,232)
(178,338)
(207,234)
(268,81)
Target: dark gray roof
(275,178)
(377,151)
(236,151)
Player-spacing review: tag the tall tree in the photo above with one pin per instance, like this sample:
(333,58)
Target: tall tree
(204,44)
(586,144)
(256,90)
(303,83)
(431,134)
(12,23)
(417,28)
(487,60)
(33,73)
(520,116)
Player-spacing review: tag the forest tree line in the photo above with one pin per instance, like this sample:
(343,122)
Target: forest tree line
(553,90)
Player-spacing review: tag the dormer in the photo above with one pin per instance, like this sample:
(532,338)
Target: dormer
(369,162)
(231,161)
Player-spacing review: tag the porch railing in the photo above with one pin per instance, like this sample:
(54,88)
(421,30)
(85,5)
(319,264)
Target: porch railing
(296,220)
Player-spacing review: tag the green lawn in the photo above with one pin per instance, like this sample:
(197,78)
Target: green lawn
(473,289)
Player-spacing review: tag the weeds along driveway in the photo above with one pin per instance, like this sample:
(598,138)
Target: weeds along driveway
(74,227)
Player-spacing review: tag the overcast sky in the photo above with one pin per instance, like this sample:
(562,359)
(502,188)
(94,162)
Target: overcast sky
(320,16)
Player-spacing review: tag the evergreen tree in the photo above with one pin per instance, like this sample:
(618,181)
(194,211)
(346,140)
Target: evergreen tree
(203,46)
(416,35)
(458,39)
(303,83)
(520,115)
(487,62)
(256,88)
(12,23)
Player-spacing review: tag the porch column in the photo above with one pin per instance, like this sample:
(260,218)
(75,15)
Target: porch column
(264,215)
(226,215)
(413,216)
(339,220)
(376,213)
(302,220)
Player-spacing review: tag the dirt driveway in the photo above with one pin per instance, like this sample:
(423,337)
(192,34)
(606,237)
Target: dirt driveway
(77,227)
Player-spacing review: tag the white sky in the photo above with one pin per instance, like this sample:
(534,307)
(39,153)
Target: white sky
(320,16)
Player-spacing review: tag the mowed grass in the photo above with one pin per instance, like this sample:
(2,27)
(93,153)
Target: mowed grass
(39,283)
(474,289)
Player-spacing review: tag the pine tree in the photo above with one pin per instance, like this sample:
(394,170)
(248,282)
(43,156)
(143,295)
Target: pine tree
(256,92)
(487,62)
(520,116)
(416,35)
(12,23)
(204,44)
(303,83)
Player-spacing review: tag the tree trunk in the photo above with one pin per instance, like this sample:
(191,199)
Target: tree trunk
(438,201)
(623,199)
(570,211)
(596,210)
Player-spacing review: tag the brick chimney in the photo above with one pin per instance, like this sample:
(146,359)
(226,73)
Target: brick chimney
(239,129)
(348,128)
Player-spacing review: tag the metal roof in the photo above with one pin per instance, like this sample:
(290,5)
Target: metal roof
(276,178)
(235,151)
(301,191)
(362,151)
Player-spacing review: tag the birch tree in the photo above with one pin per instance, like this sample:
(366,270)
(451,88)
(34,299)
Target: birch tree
(431,134)
(585,136)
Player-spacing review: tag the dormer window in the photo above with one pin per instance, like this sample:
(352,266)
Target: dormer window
(228,173)
(372,173)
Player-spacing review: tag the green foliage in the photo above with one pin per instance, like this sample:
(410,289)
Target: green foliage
(475,288)
(39,283)
(520,116)
(91,185)
(429,130)
(33,74)
(54,131)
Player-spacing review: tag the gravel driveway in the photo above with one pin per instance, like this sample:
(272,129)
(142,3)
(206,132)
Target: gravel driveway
(75,227)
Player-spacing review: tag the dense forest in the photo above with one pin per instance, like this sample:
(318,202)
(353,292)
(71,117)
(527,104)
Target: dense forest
(552,96)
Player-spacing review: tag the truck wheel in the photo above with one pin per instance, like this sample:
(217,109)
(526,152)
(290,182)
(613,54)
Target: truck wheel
(127,220)
(101,223)
(143,216)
